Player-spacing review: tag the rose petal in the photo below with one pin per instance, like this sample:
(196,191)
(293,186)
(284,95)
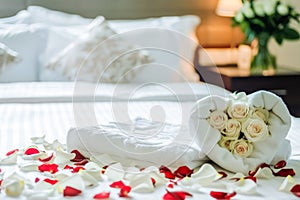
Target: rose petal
(117,184)
(89,180)
(78,156)
(243,186)
(52,168)
(264,173)
(12,152)
(222,195)
(296,190)
(153,181)
(74,181)
(285,172)
(224,175)
(29,167)
(177,195)
(51,181)
(38,140)
(170,185)
(69,191)
(169,175)
(125,191)
(280,164)
(62,157)
(77,169)
(102,195)
(9,160)
(14,188)
(263,165)
(287,184)
(36,179)
(83,162)
(141,183)
(183,171)
(46,159)
(115,172)
(31,151)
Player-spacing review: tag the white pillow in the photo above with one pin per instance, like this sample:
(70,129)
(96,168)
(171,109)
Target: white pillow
(97,55)
(7,56)
(28,41)
(22,17)
(57,18)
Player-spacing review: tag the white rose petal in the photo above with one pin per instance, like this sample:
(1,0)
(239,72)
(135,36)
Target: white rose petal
(115,172)
(9,160)
(29,167)
(260,113)
(38,140)
(225,142)
(141,183)
(264,173)
(88,179)
(243,186)
(287,184)
(62,157)
(74,181)
(238,109)
(14,188)
(34,156)
(218,119)
(255,130)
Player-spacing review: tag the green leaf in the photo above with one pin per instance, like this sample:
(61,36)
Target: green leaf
(278,37)
(290,34)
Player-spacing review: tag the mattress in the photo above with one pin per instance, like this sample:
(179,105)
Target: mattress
(51,109)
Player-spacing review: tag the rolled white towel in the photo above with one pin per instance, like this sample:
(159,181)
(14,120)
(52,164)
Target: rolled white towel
(143,143)
(268,149)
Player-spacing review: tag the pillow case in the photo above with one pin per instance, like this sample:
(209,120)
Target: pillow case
(53,17)
(7,56)
(98,55)
(28,41)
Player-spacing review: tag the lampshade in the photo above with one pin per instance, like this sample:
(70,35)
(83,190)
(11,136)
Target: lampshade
(227,8)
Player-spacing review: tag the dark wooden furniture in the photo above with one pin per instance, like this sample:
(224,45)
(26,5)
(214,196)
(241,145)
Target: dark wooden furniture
(284,82)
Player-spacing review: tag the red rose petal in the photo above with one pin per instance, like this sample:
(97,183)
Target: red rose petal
(68,167)
(153,181)
(178,195)
(164,169)
(117,184)
(224,175)
(124,191)
(78,156)
(83,162)
(222,195)
(183,171)
(285,172)
(36,179)
(169,175)
(31,151)
(280,164)
(47,159)
(69,191)
(102,195)
(51,181)
(296,190)
(11,152)
(0,182)
(170,185)
(104,168)
(77,169)
(52,168)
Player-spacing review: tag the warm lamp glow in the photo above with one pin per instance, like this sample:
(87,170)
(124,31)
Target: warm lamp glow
(227,8)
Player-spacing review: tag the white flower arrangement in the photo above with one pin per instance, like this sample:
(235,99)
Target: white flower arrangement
(240,125)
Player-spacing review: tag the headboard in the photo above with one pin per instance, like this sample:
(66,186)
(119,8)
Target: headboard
(115,9)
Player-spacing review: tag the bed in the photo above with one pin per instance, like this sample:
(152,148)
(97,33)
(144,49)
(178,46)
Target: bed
(38,99)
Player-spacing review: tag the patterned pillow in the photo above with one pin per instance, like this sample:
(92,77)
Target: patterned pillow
(99,55)
(7,56)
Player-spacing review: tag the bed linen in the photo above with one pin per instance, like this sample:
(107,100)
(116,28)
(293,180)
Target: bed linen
(33,109)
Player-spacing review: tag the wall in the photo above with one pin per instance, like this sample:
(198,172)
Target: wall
(288,54)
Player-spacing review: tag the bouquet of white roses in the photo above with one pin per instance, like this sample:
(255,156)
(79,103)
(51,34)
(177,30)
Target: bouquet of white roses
(240,125)
(271,17)
(239,132)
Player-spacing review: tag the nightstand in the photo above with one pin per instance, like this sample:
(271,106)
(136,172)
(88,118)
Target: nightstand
(284,82)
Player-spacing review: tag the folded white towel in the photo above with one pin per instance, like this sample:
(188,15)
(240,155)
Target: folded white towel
(270,150)
(143,143)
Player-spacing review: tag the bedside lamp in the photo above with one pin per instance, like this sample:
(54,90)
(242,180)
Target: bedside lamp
(227,8)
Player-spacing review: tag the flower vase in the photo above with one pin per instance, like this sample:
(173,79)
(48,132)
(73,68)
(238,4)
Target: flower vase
(263,61)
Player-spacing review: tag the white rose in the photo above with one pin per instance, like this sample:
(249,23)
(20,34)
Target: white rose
(247,10)
(242,148)
(282,9)
(239,17)
(238,110)
(259,8)
(269,7)
(232,129)
(260,113)
(241,96)
(225,142)
(255,130)
(218,119)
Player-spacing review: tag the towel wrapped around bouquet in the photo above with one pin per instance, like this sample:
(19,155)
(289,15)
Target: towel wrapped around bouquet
(240,132)
(143,143)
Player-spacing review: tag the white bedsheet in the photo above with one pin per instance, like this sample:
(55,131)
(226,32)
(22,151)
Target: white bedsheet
(25,112)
